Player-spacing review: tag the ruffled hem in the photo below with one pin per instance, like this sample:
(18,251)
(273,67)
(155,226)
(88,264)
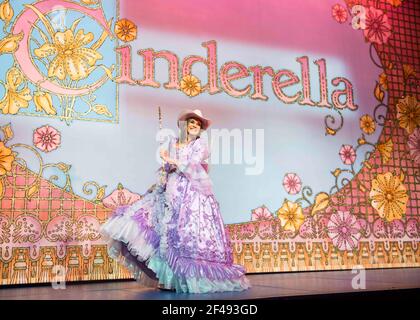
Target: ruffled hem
(169,280)
(119,252)
(191,268)
(141,240)
(134,244)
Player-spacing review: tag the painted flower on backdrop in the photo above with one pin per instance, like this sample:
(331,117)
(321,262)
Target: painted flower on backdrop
(383,81)
(292,183)
(7,133)
(344,230)
(15,98)
(395,3)
(44,103)
(361,140)
(378,29)
(367,124)
(388,196)
(191,85)
(347,154)
(125,30)
(339,13)
(290,215)
(6,12)
(385,150)
(261,213)
(10,43)
(408,71)
(414,146)
(46,138)
(408,113)
(6,159)
(71,57)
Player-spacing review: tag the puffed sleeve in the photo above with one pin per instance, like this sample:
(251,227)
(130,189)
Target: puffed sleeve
(194,165)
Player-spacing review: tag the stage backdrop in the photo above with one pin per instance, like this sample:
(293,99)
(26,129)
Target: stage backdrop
(315,136)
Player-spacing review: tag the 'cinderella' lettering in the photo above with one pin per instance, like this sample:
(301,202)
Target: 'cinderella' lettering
(218,80)
(223,79)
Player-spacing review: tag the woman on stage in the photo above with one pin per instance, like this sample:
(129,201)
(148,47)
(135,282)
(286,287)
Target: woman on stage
(175,234)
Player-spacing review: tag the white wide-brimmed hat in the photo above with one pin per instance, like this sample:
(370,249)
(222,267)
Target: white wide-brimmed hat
(187,114)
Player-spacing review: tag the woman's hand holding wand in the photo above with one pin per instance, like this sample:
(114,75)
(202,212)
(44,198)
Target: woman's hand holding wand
(165,157)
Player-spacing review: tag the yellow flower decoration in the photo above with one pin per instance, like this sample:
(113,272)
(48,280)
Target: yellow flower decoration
(388,196)
(7,132)
(290,215)
(367,124)
(395,3)
(10,43)
(385,150)
(408,71)
(43,102)
(408,113)
(361,140)
(72,58)
(102,109)
(330,131)
(6,12)
(190,85)
(89,2)
(379,93)
(15,98)
(336,172)
(125,30)
(383,81)
(6,159)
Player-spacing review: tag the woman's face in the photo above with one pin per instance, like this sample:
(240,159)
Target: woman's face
(193,127)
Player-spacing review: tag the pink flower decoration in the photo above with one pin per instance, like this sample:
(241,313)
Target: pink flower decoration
(339,13)
(344,230)
(378,29)
(347,154)
(414,145)
(261,213)
(46,138)
(292,183)
(120,197)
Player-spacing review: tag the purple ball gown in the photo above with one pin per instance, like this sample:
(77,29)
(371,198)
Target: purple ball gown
(175,233)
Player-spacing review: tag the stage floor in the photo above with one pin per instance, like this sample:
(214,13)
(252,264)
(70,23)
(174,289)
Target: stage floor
(264,286)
